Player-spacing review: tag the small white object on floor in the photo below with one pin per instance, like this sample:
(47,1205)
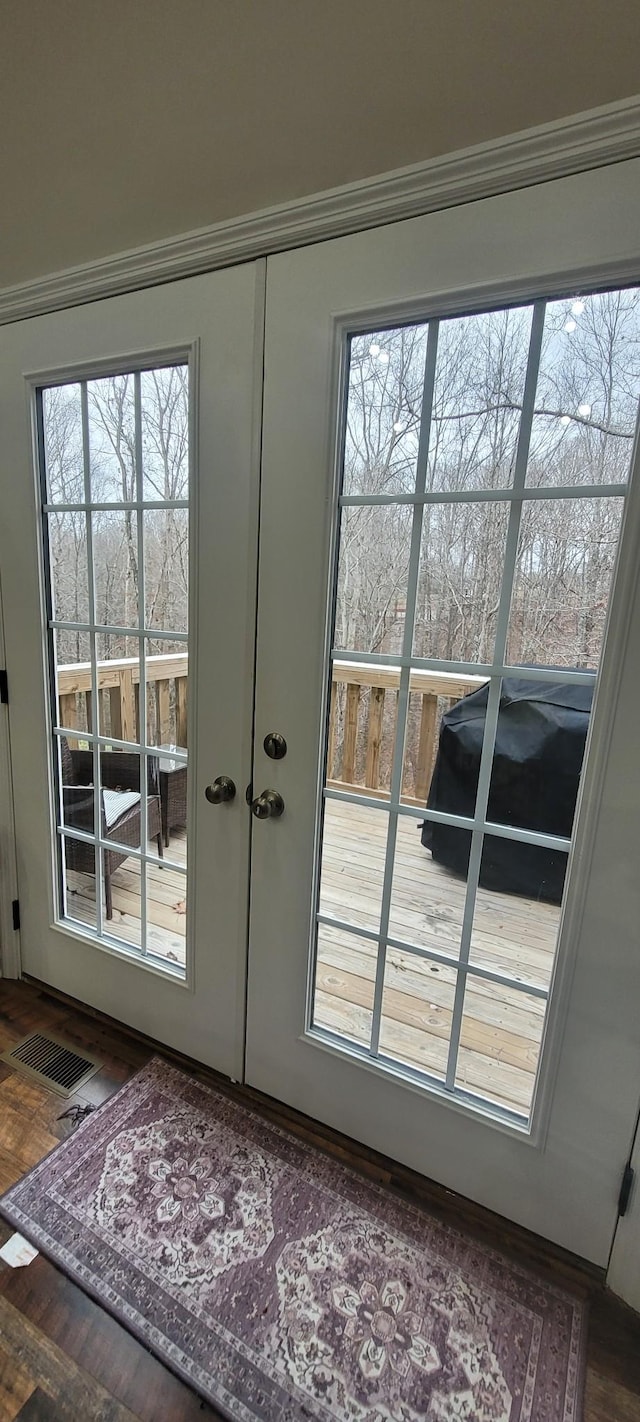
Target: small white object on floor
(17,1251)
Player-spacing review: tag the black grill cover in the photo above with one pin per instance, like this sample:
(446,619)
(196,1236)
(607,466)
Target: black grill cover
(540,742)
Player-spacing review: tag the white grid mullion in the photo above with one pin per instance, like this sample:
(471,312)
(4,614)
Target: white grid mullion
(95,717)
(111,743)
(489,496)
(139,854)
(153,633)
(493,701)
(484,669)
(121,507)
(142,674)
(403,691)
(432,955)
(441,817)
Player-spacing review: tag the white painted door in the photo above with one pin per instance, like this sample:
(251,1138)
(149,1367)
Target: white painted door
(448,437)
(128,479)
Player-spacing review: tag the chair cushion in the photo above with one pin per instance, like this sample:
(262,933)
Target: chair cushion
(117,802)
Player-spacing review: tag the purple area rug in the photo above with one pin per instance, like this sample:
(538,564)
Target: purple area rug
(282,1285)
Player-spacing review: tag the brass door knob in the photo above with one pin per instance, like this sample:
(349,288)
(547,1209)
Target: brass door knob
(223,789)
(268,806)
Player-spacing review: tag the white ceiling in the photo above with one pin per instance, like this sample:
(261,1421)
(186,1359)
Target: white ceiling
(124,121)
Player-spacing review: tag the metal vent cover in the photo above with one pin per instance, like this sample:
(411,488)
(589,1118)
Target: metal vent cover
(52,1062)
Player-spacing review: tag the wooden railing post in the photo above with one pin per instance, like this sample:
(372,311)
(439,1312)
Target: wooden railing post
(374,737)
(426,746)
(68,710)
(333,730)
(163,712)
(181,711)
(127,706)
(350,739)
(115,708)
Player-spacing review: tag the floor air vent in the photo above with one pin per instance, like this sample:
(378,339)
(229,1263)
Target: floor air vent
(52,1062)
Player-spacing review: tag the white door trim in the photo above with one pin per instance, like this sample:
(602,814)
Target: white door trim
(552,150)
(623,1274)
(9,936)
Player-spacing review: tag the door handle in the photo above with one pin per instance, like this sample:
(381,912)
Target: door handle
(223,789)
(268,806)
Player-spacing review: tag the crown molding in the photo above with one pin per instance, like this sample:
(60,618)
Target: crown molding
(553,150)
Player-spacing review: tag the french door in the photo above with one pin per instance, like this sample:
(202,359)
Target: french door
(441,960)
(442,956)
(128,545)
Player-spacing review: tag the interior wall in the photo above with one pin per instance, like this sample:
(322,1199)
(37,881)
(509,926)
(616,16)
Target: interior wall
(128,121)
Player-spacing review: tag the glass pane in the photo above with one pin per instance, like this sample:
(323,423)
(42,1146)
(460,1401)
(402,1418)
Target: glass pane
(164,398)
(539,750)
(500,1044)
(112,440)
(417,1006)
(588,388)
(461,562)
(372,578)
(353,855)
(63,459)
(68,566)
(386,377)
(167,668)
(517,911)
(125,921)
(78,865)
(72,675)
(115,557)
(344,983)
(427,901)
(167,908)
(431,740)
(118,668)
(166,569)
(76,806)
(566,556)
(477,400)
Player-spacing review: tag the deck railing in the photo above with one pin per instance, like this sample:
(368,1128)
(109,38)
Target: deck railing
(364,700)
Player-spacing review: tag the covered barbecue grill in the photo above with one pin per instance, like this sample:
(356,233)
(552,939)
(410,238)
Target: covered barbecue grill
(540,741)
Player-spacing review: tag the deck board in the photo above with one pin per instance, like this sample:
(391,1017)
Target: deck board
(501,1028)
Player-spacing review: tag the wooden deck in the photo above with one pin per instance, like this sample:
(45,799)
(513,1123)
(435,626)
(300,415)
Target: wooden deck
(501,1029)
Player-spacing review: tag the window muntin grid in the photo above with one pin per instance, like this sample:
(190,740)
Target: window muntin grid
(105,487)
(408,487)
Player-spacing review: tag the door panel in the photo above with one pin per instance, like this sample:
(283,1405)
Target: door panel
(129,555)
(418,1026)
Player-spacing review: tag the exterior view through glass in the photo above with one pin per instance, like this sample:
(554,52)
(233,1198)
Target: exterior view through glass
(486,460)
(114,461)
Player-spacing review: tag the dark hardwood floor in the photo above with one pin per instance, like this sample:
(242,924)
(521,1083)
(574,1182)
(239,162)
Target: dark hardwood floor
(63,1359)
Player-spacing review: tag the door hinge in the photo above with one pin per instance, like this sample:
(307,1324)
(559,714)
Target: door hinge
(15,913)
(625,1189)
(4,689)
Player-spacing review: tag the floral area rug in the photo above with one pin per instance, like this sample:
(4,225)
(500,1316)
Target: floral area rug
(280,1284)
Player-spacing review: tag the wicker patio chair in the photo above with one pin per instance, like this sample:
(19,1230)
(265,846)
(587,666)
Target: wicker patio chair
(120,808)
